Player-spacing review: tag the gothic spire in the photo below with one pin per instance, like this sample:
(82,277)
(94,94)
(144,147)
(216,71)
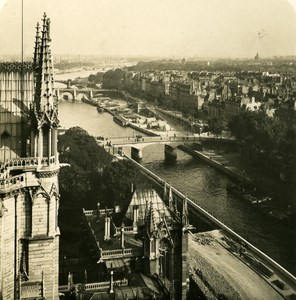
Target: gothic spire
(37,48)
(45,103)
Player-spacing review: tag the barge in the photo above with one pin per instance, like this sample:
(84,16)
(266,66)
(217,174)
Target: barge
(264,204)
(92,102)
(120,120)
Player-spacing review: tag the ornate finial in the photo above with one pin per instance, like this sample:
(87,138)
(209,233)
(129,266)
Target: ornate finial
(48,28)
(44,20)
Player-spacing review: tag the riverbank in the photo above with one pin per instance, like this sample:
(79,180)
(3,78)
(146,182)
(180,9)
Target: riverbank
(276,208)
(219,163)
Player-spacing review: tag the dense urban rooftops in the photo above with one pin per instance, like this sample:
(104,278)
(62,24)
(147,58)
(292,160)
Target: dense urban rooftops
(16,66)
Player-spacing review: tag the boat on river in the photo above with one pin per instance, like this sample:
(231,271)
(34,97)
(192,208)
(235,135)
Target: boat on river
(100,109)
(264,204)
(122,121)
(92,102)
(247,193)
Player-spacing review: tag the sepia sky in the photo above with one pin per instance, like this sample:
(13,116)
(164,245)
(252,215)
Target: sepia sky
(165,28)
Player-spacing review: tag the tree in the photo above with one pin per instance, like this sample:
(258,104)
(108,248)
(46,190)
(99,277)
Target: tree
(74,187)
(112,79)
(77,147)
(117,180)
(287,154)
(79,182)
(96,78)
(215,126)
(269,143)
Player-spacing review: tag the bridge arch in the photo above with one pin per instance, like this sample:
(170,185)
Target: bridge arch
(66,95)
(80,96)
(83,94)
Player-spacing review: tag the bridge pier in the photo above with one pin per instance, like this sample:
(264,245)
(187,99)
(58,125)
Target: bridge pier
(136,153)
(57,91)
(170,152)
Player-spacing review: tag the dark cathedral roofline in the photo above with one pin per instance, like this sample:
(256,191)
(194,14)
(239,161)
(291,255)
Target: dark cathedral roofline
(16,66)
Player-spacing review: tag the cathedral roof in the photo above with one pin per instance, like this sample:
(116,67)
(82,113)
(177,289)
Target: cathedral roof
(147,201)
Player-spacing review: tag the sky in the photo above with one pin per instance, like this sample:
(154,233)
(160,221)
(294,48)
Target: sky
(162,28)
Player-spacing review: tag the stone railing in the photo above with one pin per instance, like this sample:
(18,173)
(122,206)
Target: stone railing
(126,229)
(7,183)
(89,213)
(20,162)
(94,212)
(104,285)
(17,182)
(94,286)
(27,162)
(131,252)
(108,211)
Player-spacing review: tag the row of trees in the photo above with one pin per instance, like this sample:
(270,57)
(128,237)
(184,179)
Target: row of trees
(222,65)
(112,78)
(267,142)
(96,78)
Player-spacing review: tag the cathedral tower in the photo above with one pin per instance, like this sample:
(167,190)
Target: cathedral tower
(29,166)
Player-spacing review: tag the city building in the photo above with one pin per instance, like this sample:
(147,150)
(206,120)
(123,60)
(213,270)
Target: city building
(29,194)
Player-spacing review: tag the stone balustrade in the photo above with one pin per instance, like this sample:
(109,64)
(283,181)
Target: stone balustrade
(27,162)
(94,286)
(107,211)
(126,229)
(89,212)
(7,183)
(131,252)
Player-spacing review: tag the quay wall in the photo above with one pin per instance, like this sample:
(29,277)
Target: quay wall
(146,131)
(226,170)
(112,113)
(134,126)
(289,278)
(175,117)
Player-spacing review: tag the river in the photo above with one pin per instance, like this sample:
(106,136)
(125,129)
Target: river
(200,182)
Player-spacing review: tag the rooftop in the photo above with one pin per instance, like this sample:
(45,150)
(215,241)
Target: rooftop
(16,66)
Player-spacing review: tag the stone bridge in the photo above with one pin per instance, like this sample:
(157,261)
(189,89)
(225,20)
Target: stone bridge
(139,142)
(73,93)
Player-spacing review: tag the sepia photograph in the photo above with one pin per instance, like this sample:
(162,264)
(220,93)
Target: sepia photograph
(147,149)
